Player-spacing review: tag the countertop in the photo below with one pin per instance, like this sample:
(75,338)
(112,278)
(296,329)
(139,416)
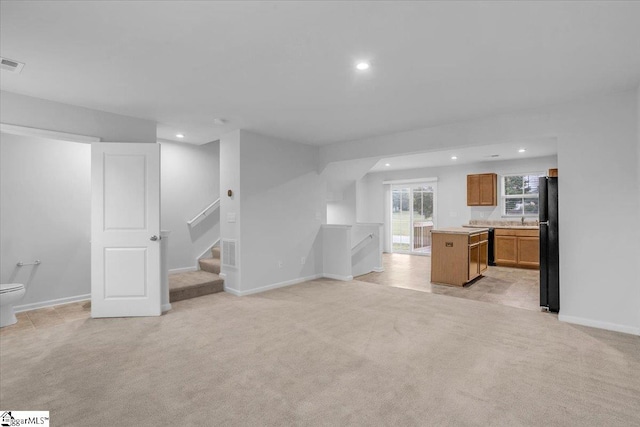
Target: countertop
(461,230)
(510,227)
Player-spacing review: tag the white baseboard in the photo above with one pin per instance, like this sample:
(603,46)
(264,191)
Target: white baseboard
(378,269)
(51,303)
(598,324)
(272,286)
(166,307)
(182,270)
(232,291)
(337,277)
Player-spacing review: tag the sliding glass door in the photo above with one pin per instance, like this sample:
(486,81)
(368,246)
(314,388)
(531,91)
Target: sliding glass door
(401,219)
(412,217)
(422,219)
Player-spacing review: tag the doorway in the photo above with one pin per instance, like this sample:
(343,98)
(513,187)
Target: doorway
(413,216)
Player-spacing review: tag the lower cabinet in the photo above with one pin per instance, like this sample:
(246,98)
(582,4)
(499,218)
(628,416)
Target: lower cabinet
(474,261)
(517,248)
(529,252)
(478,258)
(484,254)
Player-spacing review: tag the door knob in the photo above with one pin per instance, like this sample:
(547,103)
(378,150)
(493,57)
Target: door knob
(153,238)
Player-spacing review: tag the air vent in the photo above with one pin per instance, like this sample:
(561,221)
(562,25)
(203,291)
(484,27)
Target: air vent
(229,253)
(11,65)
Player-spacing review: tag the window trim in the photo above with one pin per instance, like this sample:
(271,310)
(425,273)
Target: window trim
(504,197)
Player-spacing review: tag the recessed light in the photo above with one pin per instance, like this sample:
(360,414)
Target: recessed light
(454,157)
(387,164)
(362,66)
(522,150)
(219,121)
(179,135)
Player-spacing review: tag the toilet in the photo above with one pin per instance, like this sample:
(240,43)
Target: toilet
(9,295)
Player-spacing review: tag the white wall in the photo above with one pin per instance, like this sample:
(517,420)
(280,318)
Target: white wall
(336,251)
(190,181)
(39,113)
(362,203)
(343,209)
(451,192)
(280,202)
(283,199)
(598,235)
(230,206)
(45,214)
(598,240)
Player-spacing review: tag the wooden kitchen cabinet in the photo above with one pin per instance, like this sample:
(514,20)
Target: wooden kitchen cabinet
(517,248)
(484,255)
(529,252)
(482,189)
(458,255)
(505,250)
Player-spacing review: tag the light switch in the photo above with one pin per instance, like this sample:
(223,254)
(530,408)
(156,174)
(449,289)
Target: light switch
(231,217)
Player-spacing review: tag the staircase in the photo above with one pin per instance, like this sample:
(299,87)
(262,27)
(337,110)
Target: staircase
(197,283)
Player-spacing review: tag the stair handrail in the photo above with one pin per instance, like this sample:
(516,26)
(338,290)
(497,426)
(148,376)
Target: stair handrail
(214,204)
(362,243)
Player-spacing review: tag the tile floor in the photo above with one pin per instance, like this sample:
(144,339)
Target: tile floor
(47,317)
(514,287)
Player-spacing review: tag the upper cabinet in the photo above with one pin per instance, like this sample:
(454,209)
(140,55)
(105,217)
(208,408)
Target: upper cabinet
(482,189)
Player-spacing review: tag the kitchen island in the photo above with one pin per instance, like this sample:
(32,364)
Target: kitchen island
(458,254)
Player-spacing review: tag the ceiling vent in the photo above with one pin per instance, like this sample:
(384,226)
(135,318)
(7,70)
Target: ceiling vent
(11,65)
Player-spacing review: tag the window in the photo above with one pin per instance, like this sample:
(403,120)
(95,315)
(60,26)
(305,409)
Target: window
(520,194)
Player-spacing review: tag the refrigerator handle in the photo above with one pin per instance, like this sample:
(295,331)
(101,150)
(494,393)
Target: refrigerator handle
(544,265)
(543,199)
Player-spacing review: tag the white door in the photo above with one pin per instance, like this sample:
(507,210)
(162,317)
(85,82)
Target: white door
(125,229)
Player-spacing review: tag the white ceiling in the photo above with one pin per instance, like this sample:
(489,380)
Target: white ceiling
(286,68)
(538,147)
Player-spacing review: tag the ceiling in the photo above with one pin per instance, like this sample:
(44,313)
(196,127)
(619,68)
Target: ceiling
(538,147)
(286,69)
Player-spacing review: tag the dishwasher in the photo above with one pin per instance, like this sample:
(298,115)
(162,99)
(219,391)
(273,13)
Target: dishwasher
(492,260)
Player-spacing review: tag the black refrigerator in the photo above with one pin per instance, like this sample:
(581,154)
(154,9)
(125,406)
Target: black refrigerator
(549,251)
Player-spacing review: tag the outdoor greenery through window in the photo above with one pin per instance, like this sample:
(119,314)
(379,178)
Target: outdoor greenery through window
(412,217)
(520,195)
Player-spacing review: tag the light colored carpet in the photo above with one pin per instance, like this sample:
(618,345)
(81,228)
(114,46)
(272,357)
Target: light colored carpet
(325,353)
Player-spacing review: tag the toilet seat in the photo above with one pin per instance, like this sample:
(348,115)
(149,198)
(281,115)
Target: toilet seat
(11,287)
